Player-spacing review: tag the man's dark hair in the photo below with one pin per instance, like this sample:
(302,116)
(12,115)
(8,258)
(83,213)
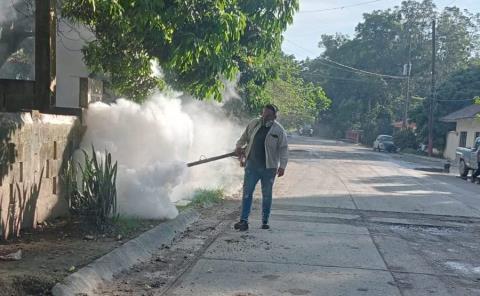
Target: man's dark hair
(272,107)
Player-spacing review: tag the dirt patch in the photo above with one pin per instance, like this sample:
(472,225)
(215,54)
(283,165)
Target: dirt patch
(56,249)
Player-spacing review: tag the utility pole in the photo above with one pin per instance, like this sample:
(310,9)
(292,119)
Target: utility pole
(432,94)
(407,69)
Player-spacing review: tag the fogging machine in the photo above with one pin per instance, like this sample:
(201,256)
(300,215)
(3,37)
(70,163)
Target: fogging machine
(210,159)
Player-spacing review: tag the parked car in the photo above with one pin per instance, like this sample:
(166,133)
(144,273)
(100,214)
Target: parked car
(306,130)
(384,143)
(468,158)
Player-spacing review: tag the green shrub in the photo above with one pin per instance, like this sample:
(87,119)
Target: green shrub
(94,193)
(405,138)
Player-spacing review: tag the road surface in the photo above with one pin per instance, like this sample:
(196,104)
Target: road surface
(345,221)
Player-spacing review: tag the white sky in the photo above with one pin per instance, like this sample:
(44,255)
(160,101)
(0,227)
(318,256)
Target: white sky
(302,37)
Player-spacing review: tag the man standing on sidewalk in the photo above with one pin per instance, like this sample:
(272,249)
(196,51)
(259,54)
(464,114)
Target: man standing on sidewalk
(265,147)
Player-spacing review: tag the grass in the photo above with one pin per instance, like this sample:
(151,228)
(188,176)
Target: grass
(420,153)
(203,198)
(125,226)
(412,151)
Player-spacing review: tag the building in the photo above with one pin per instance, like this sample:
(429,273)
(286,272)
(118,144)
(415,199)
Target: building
(44,87)
(398,125)
(467,129)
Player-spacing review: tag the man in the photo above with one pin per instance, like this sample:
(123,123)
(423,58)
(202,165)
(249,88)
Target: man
(476,173)
(264,145)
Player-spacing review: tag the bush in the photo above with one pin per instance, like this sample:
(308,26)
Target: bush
(94,193)
(405,139)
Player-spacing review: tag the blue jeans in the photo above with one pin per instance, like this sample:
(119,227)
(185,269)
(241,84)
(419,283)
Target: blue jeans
(252,176)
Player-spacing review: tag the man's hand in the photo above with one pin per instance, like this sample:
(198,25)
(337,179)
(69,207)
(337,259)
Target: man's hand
(240,151)
(280,172)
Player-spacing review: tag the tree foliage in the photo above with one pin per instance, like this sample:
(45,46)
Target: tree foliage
(279,81)
(405,139)
(383,43)
(457,91)
(196,43)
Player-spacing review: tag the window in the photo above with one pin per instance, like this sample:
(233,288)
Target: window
(385,138)
(17,39)
(463,139)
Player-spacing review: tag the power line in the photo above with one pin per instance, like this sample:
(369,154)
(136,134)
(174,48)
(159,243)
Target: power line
(319,60)
(339,7)
(299,46)
(364,71)
(450,3)
(332,77)
(352,69)
(454,100)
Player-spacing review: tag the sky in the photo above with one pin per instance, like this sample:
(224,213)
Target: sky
(302,36)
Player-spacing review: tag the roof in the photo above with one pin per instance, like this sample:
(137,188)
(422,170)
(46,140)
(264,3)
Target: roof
(467,112)
(410,125)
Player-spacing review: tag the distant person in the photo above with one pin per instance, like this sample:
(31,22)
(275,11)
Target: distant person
(265,148)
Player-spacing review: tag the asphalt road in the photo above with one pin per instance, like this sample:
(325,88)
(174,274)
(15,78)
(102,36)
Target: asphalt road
(346,221)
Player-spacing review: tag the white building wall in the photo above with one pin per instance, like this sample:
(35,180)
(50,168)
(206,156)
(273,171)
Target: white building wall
(451,145)
(469,125)
(70,65)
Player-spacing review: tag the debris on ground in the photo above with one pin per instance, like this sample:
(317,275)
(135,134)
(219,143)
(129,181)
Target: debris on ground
(34,262)
(12,256)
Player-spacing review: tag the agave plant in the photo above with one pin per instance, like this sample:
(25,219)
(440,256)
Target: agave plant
(95,194)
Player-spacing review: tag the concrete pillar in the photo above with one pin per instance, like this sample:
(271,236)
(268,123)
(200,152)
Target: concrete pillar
(45,56)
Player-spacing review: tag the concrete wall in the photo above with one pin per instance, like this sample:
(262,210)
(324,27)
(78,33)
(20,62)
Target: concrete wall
(33,148)
(70,65)
(469,125)
(451,146)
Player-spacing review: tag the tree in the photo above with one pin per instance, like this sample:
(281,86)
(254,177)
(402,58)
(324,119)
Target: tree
(197,43)
(299,102)
(384,42)
(458,91)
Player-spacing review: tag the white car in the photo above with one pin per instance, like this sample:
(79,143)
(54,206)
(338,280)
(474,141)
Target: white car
(306,130)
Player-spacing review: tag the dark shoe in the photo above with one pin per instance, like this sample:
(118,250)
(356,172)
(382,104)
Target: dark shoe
(265,226)
(241,226)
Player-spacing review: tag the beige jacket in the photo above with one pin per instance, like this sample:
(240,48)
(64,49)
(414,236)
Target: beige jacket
(276,145)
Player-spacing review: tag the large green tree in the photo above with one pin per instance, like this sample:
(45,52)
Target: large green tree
(197,44)
(299,101)
(384,42)
(278,80)
(459,90)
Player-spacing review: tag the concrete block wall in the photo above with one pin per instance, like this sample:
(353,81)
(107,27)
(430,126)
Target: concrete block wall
(33,150)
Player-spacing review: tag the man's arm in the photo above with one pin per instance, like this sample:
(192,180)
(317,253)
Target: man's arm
(283,149)
(243,140)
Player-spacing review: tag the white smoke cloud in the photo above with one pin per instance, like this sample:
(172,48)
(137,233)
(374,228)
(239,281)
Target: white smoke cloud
(152,143)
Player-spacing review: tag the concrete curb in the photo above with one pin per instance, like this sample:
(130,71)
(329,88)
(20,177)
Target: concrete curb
(135,251)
